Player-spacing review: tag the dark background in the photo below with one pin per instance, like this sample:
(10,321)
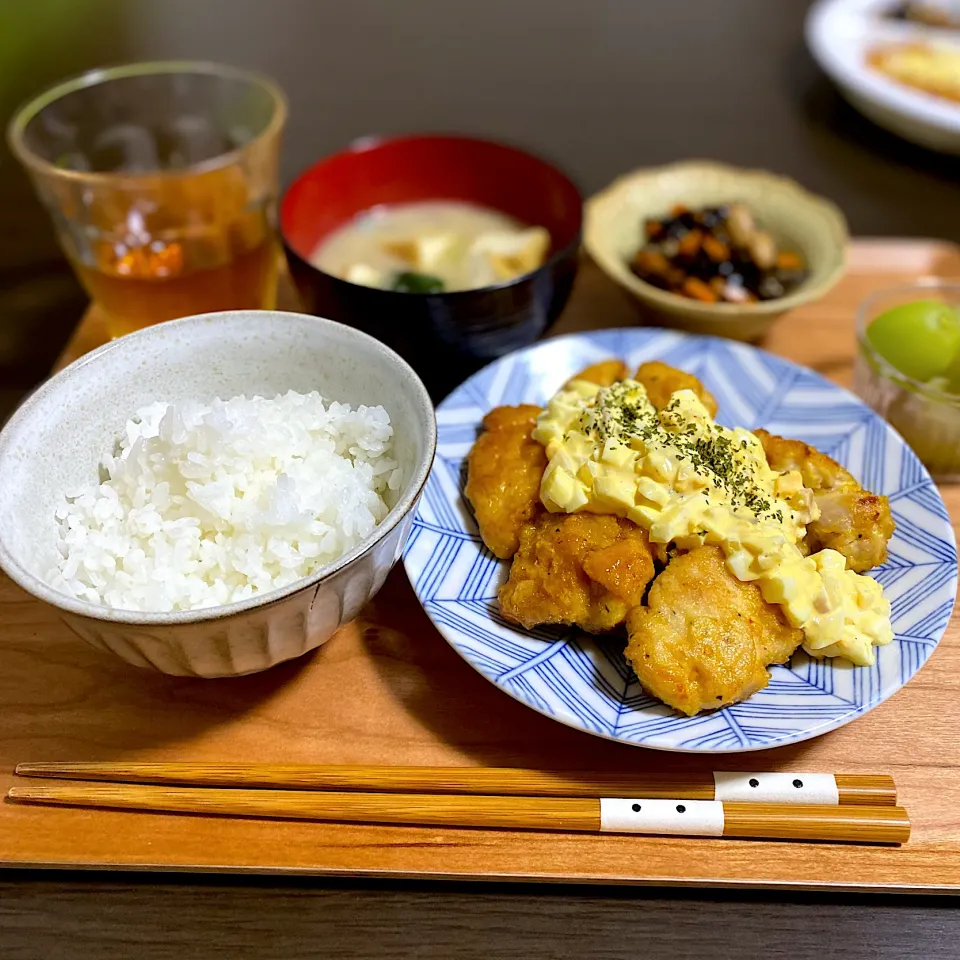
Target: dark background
(600,87)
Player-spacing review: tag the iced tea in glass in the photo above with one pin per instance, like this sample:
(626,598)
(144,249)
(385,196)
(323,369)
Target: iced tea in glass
(161,179)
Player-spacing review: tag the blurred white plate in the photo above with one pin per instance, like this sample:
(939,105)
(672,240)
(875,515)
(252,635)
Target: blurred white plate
(840,34)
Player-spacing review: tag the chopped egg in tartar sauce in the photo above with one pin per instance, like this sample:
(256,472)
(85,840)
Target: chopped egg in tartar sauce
(689,481)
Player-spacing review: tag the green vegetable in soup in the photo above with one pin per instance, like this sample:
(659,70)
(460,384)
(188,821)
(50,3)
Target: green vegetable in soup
(408,281)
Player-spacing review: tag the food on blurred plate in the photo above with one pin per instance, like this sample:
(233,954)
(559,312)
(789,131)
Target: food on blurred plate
(432,247)
(716,255)
(209,504)
(754,544)
(932,69)
(930,14)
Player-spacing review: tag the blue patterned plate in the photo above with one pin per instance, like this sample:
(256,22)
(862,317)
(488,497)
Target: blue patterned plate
(585,682)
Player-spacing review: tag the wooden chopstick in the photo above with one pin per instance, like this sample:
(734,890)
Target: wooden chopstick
(852,824)
(847,788)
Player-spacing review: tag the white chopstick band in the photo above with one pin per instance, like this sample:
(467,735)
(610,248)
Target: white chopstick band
(819,788)
(691,818)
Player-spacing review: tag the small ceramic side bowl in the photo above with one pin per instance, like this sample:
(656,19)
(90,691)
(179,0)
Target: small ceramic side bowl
(445,336)
(798,220)
(56,440)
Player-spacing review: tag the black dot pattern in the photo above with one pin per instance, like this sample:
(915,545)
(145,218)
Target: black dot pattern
(798,783)
(681,808)
(636,808)
(754,782)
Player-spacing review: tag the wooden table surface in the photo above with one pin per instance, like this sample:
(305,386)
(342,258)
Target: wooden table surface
(600,87)
(162,917)
(387,689)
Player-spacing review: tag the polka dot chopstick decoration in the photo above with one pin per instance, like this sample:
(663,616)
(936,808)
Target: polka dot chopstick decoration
(857,808)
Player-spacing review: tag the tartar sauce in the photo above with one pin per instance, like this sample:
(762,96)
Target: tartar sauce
(689,481)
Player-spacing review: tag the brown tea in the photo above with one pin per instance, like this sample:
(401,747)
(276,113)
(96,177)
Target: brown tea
(143,287)
(161,179)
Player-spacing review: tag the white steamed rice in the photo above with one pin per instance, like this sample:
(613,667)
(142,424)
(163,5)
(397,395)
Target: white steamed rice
(206,504)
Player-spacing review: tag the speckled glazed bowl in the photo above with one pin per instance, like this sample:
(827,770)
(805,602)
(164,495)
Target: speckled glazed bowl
(54,443)
(799,220)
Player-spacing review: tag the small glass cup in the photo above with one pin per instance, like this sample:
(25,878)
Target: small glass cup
(161,179)
(924,414)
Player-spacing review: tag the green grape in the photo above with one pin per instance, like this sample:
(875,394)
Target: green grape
(952,375)
(920,339)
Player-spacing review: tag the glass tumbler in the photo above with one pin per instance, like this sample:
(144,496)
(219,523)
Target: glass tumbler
(161,179)
(926,415)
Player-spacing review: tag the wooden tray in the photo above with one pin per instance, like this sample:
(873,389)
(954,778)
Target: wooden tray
(388,689)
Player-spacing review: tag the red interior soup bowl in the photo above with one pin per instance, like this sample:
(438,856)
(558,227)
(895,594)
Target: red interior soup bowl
(447,335)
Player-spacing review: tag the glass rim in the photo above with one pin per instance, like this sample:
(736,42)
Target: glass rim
(883,366)
(32,108)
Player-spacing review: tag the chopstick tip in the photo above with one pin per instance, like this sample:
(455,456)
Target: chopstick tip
(37,769)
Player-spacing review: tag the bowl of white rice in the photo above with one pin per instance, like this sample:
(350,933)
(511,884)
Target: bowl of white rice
(215,495)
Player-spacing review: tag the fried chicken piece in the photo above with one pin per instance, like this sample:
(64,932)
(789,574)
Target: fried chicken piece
(705,639)
(662,381)
(604,373)
(852,520)
(504,469)
(581,568)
